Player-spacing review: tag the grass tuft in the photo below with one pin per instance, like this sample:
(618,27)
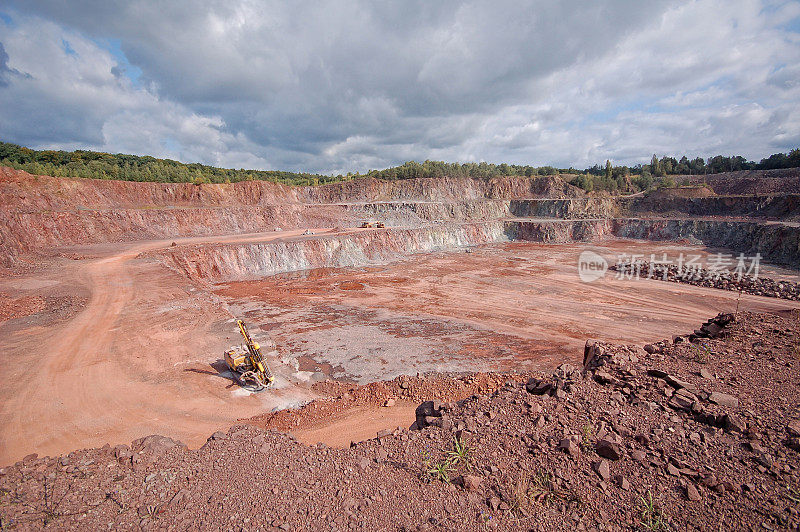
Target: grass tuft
(652,518)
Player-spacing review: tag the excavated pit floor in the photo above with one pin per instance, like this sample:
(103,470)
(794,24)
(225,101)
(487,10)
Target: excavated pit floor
(134,347)
(503,307)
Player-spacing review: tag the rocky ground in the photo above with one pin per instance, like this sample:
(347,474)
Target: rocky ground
(677,435)
(723,280)
(340,397)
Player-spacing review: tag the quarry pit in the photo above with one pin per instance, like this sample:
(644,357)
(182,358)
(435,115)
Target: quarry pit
(118,299)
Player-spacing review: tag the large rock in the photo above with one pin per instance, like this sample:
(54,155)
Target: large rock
(471,483)
(538,387)
(608,449)
(591,352)
(723,399)
(733,423)
(149,448)
(154,444)
(427,412)
(682,399)
(602,469)
(679,383)
(569,446)
(604,377)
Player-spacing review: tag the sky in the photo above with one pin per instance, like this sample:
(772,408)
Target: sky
(337,86)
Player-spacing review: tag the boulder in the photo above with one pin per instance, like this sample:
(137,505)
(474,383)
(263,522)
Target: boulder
(603,377)
(691,492)
(608,449)
(471,483)
(679,383)
(427,412)
(723,399)
(602,469)
(733,423)
(154,444)
(537,387)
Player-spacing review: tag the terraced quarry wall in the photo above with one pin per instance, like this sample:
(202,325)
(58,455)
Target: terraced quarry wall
(41,213)
(771,206)
(775,242)
(575,208)
(215,263)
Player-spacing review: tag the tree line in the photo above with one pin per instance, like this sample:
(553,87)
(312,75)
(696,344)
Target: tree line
(99,165)
(660,171)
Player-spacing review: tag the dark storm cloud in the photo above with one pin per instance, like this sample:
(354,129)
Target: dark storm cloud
(339,84)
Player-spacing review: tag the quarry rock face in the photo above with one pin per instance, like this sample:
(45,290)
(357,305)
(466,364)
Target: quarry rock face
(221,263)
(39,212)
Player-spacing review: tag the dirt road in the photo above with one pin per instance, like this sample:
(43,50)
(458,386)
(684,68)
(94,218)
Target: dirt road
(136,360)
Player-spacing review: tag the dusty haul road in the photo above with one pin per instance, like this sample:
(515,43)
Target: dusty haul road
(141,356)
(135,360)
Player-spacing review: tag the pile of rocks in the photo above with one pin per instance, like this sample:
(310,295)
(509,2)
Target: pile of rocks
(713,328)
(558,385)
(726,280)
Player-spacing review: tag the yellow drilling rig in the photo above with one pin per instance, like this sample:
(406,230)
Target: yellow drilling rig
(249,364)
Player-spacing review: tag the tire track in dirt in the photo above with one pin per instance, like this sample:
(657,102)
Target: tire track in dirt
(79,383)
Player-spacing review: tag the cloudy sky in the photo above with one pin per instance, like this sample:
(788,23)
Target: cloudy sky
(350,85)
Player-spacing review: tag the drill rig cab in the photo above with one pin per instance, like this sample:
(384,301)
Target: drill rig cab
(249,364)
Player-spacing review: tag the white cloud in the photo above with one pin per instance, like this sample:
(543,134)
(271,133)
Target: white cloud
(347,85)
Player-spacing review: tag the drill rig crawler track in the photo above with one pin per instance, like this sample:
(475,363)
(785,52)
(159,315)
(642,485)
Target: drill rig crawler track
(249,365)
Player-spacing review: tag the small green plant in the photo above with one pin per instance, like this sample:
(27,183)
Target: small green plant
(702,353)
(652,519)
(586,438)
(440,470)
(460,453)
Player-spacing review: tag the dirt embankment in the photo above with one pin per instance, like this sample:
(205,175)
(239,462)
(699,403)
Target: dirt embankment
(775,242)
(780,207)
(219,263)
(572,208)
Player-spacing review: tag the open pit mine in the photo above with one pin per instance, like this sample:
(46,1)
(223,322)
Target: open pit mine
(465,366)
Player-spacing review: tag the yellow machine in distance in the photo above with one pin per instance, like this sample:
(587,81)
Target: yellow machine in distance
(249,364)
(372,225)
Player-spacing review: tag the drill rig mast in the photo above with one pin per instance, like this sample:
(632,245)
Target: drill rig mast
(250,364)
